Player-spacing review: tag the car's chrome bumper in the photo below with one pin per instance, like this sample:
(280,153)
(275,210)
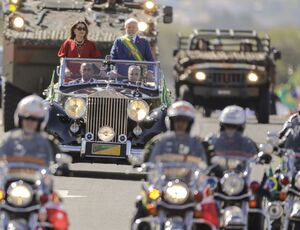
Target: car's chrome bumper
(81,149)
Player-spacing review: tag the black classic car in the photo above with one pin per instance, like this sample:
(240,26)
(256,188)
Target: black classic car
(100,115)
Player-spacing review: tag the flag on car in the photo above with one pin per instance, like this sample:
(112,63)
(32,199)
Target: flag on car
(166,94)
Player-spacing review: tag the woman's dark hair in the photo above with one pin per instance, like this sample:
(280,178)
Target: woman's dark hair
(72,33)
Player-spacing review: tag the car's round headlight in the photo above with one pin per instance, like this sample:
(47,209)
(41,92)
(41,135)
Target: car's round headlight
(297,180)
(143,26)
(19,194)
(18,22)
(252,77)
(106,133)
(75,107)
(232,184)
(137,110)
(200,76)
(176,193)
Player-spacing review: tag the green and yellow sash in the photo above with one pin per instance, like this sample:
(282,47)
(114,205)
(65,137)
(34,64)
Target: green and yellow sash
(132,48)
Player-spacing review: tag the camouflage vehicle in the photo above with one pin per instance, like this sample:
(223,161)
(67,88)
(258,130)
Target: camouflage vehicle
(216,68)
(35,29)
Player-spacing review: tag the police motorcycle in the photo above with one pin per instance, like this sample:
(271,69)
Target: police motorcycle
(286,181)
(238,197)
(26,186)
(174,194)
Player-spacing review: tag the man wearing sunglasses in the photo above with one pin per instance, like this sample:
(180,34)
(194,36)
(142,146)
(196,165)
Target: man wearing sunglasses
(29,140)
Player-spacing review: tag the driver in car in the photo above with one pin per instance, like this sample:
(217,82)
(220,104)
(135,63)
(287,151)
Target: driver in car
(89,73)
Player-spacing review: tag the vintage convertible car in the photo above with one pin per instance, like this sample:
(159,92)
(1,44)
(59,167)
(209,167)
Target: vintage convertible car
(99,115)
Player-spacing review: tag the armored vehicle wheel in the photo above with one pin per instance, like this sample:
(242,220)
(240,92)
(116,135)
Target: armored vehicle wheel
(11,96)
(185,94)
(262,113)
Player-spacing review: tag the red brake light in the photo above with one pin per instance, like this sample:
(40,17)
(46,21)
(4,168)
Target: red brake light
(254,186)
(44,198)
(284,180)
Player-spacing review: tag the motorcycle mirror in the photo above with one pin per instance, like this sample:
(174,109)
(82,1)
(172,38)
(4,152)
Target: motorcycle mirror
(266,148)
(62,158)
(273,138)
(212,182)
(264,158)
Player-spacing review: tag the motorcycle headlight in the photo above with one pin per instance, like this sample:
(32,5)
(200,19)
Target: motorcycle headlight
(297,180)
(275,210)
(19,194)
(106,133)
(176,193)
(137,110)
(75,107)
(232,184)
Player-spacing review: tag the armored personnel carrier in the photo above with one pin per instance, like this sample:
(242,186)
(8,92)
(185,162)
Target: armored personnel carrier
(35,29)
(216,68)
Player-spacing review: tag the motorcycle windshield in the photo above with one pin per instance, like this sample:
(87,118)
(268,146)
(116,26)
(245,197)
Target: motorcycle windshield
(24,167)
(169,167)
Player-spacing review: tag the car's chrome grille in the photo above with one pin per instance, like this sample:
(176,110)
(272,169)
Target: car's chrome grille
(227,77)
(110,112)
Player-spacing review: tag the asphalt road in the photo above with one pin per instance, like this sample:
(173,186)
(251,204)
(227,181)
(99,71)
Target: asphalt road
(102,196)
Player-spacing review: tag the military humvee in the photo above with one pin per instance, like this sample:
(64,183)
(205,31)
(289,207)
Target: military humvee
(216,68)
(35,29)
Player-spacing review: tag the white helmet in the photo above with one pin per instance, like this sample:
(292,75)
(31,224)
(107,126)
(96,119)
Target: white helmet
(181,109)
(233,115)
(33,107)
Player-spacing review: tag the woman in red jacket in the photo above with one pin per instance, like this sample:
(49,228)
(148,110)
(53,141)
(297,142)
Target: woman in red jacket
(78,46)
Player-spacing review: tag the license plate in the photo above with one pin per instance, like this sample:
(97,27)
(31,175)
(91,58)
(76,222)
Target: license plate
(224,92)
(106,149)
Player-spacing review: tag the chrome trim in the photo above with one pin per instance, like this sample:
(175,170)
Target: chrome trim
(19,210)
(225,197)
(176,206)
(103,111)
(70,148)
(294,191)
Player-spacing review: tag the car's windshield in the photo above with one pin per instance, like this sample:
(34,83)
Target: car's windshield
(97,71)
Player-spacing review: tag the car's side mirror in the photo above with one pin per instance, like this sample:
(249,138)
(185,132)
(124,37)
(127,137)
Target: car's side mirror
(175,52)
(168,14)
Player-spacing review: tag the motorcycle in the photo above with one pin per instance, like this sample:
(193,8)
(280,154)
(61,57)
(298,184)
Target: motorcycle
(174,195)
(238,197)
(288,177)
(26,186)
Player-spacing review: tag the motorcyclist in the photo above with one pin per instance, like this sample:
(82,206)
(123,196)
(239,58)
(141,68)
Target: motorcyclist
(29,141)
(231,138)
(30,118)
(289,127)
(179,121)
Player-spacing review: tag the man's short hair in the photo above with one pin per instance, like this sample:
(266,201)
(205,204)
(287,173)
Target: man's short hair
(132,67)
(130,20)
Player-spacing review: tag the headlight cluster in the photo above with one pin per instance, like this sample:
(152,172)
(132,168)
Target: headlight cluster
(16,22)
(137,110)
(232,184)
(75,107)
(19,194)
(150,7)
(252,77)
(176,193)
(200,76)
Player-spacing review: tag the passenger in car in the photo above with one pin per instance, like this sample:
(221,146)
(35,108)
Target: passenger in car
(87,72)
(203,45)
(134,73)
